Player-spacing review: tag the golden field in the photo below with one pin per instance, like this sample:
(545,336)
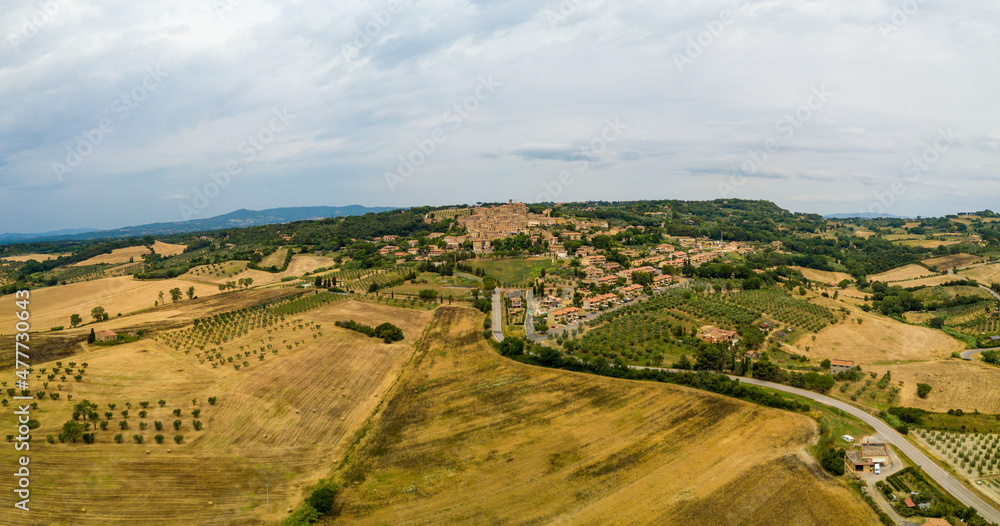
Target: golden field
(281,421)
(469,437)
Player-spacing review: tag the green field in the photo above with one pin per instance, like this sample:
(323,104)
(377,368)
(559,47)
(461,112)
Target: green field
(515,270)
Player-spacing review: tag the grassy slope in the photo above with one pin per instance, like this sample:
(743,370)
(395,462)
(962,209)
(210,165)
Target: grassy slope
(468,437)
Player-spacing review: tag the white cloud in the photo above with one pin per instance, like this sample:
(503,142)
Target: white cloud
(560,81)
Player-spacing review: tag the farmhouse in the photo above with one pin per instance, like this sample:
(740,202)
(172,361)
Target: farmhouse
(713,335)
(871,453)
(840,366)
(106,336)
(936,522)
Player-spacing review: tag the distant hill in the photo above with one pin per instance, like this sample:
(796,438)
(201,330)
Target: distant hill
(15,238)
(863,215)
(235,219)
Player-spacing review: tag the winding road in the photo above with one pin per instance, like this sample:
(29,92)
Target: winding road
(942,477)
(890,435)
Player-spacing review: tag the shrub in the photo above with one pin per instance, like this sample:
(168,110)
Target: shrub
(179,438)
(159,439)
(923,390)
(119,438)
(322,496)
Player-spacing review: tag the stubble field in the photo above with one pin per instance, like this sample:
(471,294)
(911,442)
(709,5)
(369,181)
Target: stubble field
(281,421)
(468,437)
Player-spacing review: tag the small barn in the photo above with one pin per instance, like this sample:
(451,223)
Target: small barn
(105,336)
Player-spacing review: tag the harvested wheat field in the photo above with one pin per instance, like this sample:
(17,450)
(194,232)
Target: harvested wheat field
(956,260)
(299,265)
(930,281)
(956,384)
(52,306)
(37,257)
(877,339)
(469,437)
(983,274)
(281,421)
(907,272)
(823,276)
(118,255)
(167,249)
(276,258)
(927,243)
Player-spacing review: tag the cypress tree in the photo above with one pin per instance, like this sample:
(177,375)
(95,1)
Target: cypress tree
(92,337)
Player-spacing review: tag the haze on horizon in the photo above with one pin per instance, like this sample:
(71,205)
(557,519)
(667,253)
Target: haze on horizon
(121,113)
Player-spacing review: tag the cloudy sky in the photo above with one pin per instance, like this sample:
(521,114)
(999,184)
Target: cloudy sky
(119,112)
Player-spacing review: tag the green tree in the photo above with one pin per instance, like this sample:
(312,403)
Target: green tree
(92,337)
(190,293)
(427,295)
(175,294)
(322,496)
(98,313)
(825,364)
(512,346)
(75,320)
(923,390)
(71,431)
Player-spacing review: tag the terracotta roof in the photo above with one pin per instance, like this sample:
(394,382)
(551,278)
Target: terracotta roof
(103,332)
(842,363)
(909,503)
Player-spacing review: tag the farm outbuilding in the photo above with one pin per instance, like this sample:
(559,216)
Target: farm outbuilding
(871,453)
(105,336)
(840,366)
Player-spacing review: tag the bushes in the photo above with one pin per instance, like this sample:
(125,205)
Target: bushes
(923,390)
(387,332)
(512,347)
(832,460)
(319,503)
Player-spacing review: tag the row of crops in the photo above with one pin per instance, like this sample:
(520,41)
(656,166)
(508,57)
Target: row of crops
(227,326)
(784,308)
(633,337)
(981,326)
(976,454)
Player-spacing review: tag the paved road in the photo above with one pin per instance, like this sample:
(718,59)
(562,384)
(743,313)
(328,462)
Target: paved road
(993,293)
(496,317)
(934,471)
(972,352)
